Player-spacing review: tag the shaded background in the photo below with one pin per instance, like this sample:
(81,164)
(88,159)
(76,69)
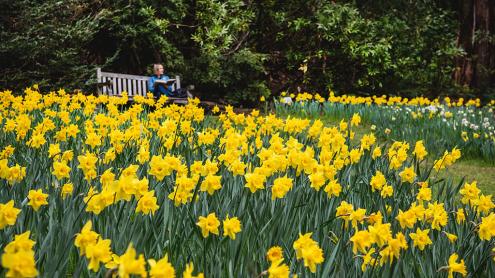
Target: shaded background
(238,50)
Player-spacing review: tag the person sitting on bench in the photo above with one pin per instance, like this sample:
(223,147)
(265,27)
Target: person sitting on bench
(157,84)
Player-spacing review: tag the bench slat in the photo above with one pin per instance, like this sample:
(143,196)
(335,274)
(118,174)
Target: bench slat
(119,87)
(123,84)
(104,89)
(129,86)
(123,76)
(145,86)
(177,82)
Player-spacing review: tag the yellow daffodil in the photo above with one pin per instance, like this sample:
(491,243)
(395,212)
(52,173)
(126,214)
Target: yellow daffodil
(37,199)
(209,224)
(231,226)
(421,238)
(8,214)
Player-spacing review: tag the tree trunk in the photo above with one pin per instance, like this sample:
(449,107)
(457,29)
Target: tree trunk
(476,69)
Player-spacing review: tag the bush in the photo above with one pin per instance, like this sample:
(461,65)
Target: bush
(235,50)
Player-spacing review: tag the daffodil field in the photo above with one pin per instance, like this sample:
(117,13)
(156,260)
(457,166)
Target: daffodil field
(90,187)
(440,123)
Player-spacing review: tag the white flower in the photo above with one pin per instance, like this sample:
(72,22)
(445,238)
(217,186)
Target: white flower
(286,100)
(432,108)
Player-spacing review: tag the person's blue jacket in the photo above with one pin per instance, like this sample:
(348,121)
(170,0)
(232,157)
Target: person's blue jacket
(162,90)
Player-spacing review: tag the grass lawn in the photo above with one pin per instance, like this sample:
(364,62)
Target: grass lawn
(477,170)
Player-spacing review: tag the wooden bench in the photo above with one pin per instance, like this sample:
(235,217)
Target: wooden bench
(113,84)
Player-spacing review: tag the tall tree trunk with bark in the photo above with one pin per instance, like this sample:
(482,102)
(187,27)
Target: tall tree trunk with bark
(476,36)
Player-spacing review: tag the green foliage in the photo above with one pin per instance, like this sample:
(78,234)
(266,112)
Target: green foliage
(236,50)
(390,53)
(44,44)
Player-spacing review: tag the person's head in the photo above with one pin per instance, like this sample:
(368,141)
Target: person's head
(158,69)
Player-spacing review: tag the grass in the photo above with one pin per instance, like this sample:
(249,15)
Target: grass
(477,170)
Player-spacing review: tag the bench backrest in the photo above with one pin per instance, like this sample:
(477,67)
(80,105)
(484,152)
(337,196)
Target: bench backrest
(134,85)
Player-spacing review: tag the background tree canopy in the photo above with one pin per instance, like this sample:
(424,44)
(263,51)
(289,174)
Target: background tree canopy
(238,50)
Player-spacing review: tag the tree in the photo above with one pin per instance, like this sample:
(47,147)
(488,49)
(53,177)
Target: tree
(238,50)
(476,69)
